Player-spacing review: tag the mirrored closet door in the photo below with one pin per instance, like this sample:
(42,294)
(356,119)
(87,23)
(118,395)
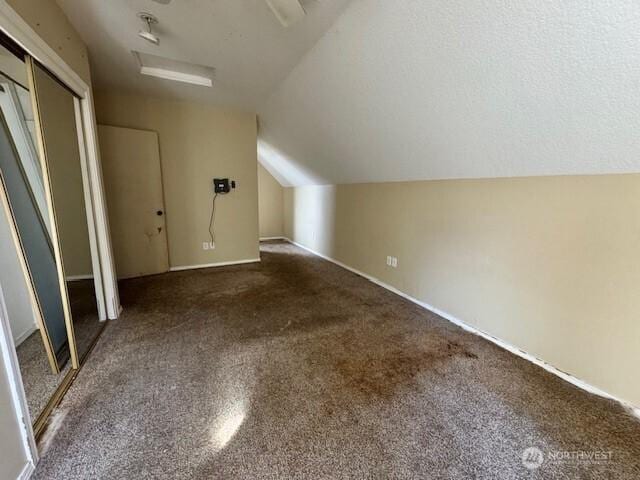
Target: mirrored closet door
(57,116)
(34,301)
(49,266)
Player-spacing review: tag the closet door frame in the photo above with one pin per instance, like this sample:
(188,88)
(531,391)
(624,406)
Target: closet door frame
(28,40)
(25,38)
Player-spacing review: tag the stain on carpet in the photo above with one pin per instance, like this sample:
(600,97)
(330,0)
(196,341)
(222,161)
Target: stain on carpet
(383,374)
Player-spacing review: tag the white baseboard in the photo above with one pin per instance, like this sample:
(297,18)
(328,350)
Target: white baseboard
(75,278)
(27,471)
(635,410)
(266,239)
(210,265)
(24,335)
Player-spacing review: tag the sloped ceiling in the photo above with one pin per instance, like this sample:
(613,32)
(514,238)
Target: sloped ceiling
(432,89)
(242,39)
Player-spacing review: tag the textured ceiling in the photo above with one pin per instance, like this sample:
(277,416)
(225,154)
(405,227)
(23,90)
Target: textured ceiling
(241,39)
(407,90)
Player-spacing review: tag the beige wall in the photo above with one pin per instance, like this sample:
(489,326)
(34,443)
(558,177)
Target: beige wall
(550,265)
(197,143)
(270,200)
(52,25)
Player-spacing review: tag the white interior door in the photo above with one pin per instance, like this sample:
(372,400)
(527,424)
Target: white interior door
(133,185)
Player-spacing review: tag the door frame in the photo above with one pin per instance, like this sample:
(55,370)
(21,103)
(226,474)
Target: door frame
(21,33)
(19,407)
(18,30)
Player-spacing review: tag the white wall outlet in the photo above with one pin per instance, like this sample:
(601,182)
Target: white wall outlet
(394,262)
(205,245)
(388,261)
(212,246)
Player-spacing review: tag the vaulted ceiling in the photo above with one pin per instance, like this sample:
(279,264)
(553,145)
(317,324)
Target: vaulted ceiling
(242,39)
(379,90)
(432,89)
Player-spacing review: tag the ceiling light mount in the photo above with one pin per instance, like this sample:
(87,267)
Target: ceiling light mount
(150,20)
(287,12)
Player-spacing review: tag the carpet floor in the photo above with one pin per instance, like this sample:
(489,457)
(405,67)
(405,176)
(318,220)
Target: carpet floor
(40,383)
(86,324)
(296,368)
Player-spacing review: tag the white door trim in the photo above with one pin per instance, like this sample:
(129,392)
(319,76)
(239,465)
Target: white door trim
(10,361)
(89,208)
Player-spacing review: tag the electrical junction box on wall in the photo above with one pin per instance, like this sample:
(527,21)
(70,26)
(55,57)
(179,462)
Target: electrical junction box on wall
(222,185)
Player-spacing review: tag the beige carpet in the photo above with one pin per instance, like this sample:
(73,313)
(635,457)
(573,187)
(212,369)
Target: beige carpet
(40,383)
(296,368)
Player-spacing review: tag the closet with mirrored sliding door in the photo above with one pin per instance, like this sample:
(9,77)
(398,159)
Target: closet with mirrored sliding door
(49,261)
